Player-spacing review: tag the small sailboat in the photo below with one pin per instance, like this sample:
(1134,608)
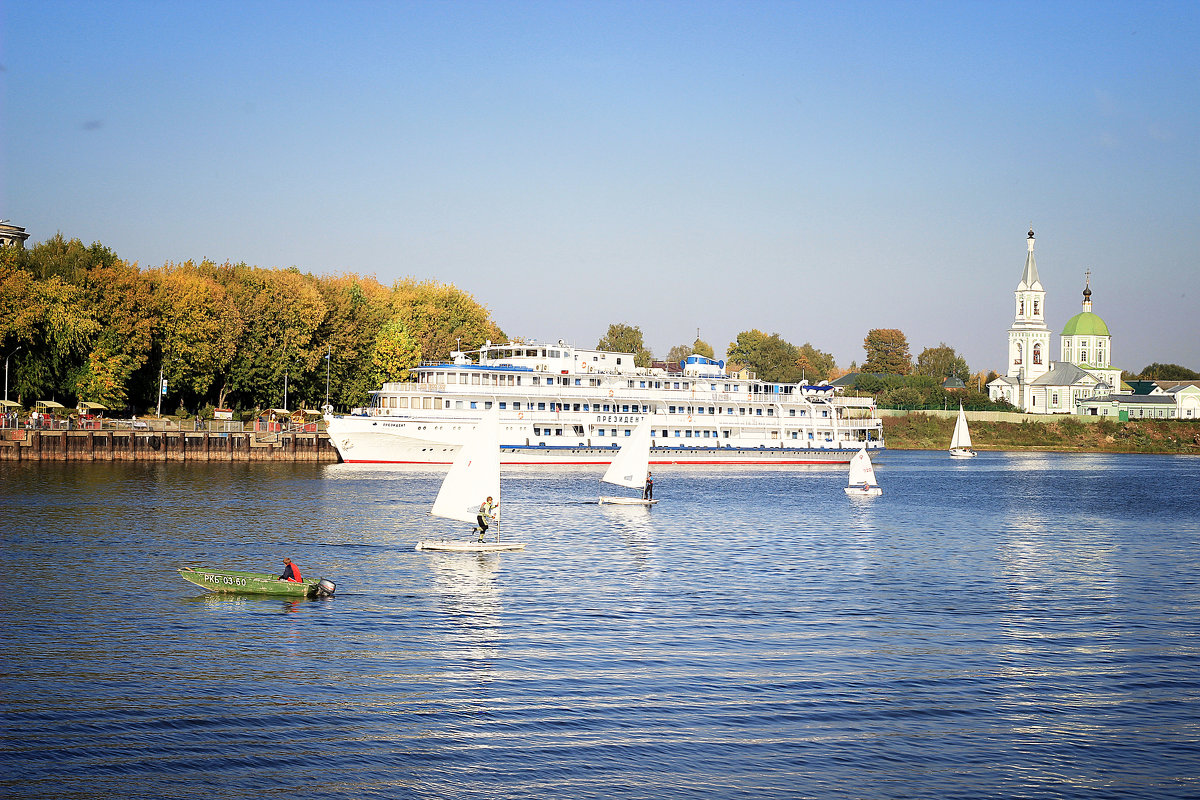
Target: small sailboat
(473,477)
(631,467)
(862,476)
(960,442)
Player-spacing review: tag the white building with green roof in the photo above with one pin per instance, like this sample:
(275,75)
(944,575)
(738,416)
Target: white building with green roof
(1037,385)
(1086,342)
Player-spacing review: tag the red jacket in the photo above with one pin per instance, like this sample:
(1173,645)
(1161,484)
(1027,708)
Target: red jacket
(290,573)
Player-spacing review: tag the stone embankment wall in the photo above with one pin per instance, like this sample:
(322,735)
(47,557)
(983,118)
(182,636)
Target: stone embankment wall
(34,445)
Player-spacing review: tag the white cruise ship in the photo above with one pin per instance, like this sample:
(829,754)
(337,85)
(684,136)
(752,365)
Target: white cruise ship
(560,404)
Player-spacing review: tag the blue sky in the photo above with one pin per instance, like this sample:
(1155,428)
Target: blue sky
(810,169)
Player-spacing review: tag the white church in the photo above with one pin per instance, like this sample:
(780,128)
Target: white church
(1034,383)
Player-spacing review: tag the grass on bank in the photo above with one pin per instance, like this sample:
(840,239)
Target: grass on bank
(918,431)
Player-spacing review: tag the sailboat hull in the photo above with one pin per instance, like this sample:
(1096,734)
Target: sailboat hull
(626,501)
(459,546)
(960,453)
(858,491)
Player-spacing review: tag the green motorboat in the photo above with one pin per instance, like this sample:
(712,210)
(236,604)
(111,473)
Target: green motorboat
(224,580)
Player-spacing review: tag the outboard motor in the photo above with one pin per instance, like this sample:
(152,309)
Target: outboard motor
(325,587)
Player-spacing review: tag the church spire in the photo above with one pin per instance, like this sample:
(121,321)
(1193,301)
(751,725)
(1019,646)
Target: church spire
(1087,291)
(1029,278)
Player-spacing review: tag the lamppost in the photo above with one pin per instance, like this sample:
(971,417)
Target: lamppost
(162,389)
(328,352)
(6,358)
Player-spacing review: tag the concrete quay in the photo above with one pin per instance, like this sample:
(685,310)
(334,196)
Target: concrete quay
(117,445)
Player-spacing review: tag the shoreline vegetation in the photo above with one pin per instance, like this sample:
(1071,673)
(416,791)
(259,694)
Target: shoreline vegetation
(918,431)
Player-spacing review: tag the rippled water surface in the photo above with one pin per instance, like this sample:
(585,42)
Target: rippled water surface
(1023,625)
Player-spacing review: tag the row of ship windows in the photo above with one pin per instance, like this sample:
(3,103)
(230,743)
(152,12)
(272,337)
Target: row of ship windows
(614,408)
(665,433)
(493,379)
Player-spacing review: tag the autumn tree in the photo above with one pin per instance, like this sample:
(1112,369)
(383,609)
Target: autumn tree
(123,304)
(815,365)
(198,329)
(442,317)
(358,309)
(623,338)
(680,352)
(887,352)
(943,362)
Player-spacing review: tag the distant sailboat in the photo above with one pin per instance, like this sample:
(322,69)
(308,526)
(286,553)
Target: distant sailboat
(473,477)
(630,467)
(862,476)
(960,442)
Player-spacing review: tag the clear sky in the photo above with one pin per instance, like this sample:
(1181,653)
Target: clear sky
(811,169)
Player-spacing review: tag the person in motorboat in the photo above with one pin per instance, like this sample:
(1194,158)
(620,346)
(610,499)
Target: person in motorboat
(290,572)
(487,511)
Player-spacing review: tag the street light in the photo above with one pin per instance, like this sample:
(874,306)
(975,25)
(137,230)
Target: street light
(6,358)
(328,351)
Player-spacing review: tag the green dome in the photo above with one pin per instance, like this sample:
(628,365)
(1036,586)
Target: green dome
(1085,323)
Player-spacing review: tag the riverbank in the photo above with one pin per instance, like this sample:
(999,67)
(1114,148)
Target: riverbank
(921,431)
(102,445)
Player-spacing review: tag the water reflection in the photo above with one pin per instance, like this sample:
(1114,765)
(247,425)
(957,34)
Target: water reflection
(1020,627)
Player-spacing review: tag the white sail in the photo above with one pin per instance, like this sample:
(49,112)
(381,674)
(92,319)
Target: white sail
(861,470)
(961,440)
(633,459)
(475,474)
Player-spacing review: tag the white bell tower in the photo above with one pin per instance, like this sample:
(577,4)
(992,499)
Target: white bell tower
(1029,338)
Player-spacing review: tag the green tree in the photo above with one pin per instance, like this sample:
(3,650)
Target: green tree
(65,329)
(771,358)
(1167,372)
(943,362)
(69,260)
(887,352)
(280,311)
(623,338)
(396,353)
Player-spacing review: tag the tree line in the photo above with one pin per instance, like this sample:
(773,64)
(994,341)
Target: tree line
(78,323)
(889,371)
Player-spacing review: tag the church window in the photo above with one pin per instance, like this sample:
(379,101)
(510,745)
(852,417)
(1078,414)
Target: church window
(1037,354)
(1083,355)
(1021,308)
(1066,351)
(1035,308)
(1054,399)
(1100,357)
(1017,360)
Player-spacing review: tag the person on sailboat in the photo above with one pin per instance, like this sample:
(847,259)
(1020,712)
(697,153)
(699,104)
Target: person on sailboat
(487,510)
(290,573)
(648,491)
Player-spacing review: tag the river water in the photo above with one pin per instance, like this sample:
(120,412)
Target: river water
(1020,625)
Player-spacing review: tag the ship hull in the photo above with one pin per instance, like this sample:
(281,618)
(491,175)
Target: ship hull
(357,444)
